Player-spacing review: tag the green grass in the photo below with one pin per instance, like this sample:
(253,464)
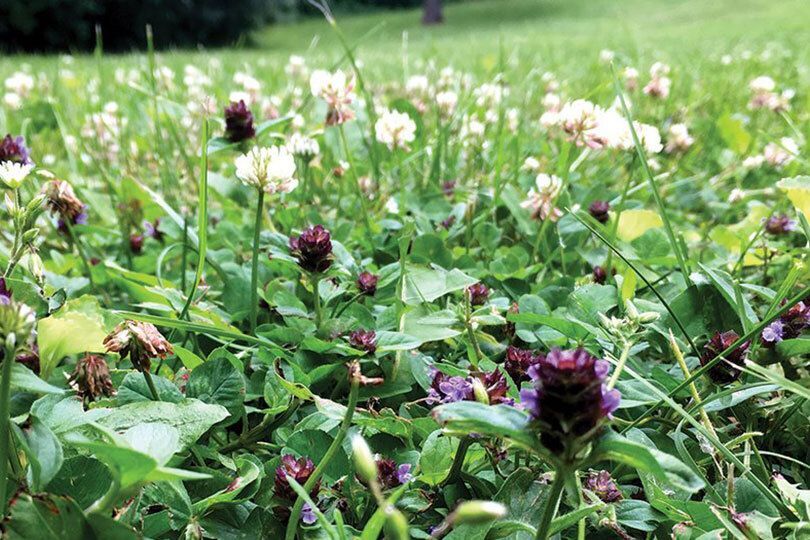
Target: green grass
(546,32)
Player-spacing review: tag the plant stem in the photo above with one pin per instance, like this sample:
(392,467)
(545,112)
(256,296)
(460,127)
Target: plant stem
(458,461)
(5,427)
(620,364)
(552,503)
(316,281)
(147,375)
(292,524)
(354,180)
(254,265)
(103,505)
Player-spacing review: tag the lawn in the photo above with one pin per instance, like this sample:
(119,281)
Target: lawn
(539,272)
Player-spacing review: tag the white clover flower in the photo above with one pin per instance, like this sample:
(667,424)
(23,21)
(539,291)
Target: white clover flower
(611,131)
(726,59)
(658,87)
(578,117)
(736,195)
(489,95)
(12,101)
(12,174)
(395,129)
(630,75)
(269,169)
(541,198)
(417,85)
(303,146)
(337,91)
(20,83)
(762,84)
(472,131)
(392,206)
(678,139)
(649,137)
(781,153)
(551,102)
(606,56)
(512,119)
(296,66)
(446,101)
(753,162)
(531,164)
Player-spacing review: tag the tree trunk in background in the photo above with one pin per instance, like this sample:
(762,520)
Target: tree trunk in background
(432,13)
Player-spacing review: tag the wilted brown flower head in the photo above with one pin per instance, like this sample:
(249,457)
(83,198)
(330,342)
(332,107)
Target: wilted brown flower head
(91,378)
(141,341)
(603,486)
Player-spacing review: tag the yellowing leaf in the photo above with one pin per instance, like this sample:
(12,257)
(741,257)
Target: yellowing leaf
(798,191)
(634,223)
(77,327)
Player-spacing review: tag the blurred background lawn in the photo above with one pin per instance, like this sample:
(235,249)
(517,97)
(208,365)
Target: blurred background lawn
(476,33)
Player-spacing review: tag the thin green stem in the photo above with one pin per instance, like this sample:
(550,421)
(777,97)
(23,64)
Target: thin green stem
(292,524)
(353,178)
(458,460)
(552,503)
(316,298)
(620,364)
(147,375)
(5,426)
(104,504)
(254,265)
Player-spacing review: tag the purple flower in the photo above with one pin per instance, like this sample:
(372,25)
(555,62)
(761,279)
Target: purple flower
(5,292)
(599,211)
(404,473)
(446,389)
(478,294)
(136,243)
(151,229)
(308,516)
(300,470)
(313,249)
(238,122)
(796,319)
(723,372)
(367,283)
(13,149)
(603,486)
(569,399)
(365,340)
(773,333)
(390,475)
(599,275)
(777,225)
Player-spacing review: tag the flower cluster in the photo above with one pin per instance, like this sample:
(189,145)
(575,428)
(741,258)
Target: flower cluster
(270,169)
(603,486)
(365,340)
(568,400)
(723,372)
(239,122)
(62,202)
(449,389)
(478,293)
(391,475)
(541,198)
(141,341)
(313,249)
(518,361)
(789,326)
(299,470)
(660,83)
(395,129)
(367,283)
(765,96)
(91,378)
(337,91)
(15,161)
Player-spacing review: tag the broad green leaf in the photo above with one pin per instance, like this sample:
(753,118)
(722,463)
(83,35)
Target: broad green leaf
(500,421)
(25,380)
(427,284)
(634,223)
(798,191)
(44,452)
(78,327)
(217,382)
(733,132)
(436,457)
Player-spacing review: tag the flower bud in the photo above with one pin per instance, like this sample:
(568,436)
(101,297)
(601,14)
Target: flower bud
(480,391)
(632,312)
(10,206)
(30,235)
(396,525)
(478,512)
(364,462)
(36,204)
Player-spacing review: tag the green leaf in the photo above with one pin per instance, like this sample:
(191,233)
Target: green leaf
(25,380)
(436,458)
(191,417)
(734,133)
(427,284)
(500,421)
(134,388)
(44,452)
(247,473)
(664,467)
(217,382)
(78,327)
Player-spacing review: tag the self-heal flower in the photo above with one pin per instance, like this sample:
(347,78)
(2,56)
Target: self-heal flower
(239,122)
(779,224)
(299,470)
(789,326)
(600,211)
(391,475)
(13,149)
(313,249)
(723,372)
(569,400)
(365,340)
(478,293)
(141,341)
(395,129)
(270,169)
(518,361)
(447,389)
(603,486)
(367,283)
(91,378)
